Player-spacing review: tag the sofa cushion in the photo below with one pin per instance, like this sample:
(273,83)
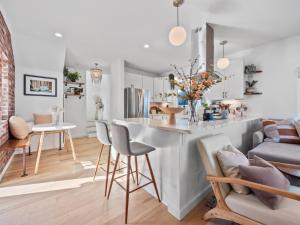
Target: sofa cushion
(270,130)
(229,159)
(265,173)
(251,207)
(277,152)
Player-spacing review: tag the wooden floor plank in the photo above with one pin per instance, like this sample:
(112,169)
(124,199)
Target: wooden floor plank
(63,193)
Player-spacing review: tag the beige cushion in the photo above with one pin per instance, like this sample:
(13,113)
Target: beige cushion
(208,148)
(229,159)
(42,119)
(251,207)
(18,127)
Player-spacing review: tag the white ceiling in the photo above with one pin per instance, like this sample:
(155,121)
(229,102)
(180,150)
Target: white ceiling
(104,30)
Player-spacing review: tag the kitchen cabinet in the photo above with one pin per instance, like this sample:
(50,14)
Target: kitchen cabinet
(232,86)
(148,83)
(158,88)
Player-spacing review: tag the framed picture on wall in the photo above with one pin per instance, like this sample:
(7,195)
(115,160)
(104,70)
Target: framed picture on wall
(40,86)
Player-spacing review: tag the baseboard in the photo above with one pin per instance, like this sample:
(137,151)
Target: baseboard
(194,202)
(6,166)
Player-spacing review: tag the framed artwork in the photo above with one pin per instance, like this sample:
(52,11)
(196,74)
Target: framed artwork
(40,86)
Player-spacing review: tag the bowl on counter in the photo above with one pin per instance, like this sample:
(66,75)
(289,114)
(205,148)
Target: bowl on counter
(171,111)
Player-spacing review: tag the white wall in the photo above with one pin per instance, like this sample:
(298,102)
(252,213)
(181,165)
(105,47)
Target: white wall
(279,61)
(117,80)
(43,58)
(102,90)
(74,109)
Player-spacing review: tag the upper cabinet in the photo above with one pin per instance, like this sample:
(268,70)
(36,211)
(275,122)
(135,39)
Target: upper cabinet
(232,86)
(147,83)
(133,80)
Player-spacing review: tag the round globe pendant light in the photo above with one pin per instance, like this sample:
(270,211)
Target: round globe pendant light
(223,62)
(177,35)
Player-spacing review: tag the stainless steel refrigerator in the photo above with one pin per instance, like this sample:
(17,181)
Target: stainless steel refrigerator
(136,103)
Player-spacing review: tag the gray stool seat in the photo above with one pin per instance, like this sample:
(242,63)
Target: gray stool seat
(138,148)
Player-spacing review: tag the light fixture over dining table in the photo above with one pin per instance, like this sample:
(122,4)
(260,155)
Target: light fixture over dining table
(96,74)
(177,35)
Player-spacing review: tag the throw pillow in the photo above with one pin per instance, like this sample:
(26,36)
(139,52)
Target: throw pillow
(288,134)
(229,159)
(42,119)
(263,172)
(18,127)
(270,130)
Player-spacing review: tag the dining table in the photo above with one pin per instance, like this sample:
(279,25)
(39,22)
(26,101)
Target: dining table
(51,128)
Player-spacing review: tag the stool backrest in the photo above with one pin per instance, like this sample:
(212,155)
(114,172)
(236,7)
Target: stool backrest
(103,133)
(120,135)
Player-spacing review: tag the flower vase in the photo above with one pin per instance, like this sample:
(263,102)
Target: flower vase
(192,111)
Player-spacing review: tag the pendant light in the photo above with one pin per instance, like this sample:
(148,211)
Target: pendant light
(96,74)
(223,62)
(177,34)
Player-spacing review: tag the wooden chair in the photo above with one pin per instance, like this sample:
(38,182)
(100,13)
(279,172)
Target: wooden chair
(240,208)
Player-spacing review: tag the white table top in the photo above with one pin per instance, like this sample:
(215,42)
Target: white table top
(53,127)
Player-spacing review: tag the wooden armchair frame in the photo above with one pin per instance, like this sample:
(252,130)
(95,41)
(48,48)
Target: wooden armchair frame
(222,211)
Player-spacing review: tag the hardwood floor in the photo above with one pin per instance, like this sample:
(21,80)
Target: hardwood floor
(63,193)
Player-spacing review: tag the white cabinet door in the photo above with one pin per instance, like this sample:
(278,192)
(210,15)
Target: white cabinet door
(216,92)
(148,83)
(234,85)
(133,79)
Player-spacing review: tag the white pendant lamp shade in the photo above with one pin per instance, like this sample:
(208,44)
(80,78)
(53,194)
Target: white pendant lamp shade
(177,36)
(223,63)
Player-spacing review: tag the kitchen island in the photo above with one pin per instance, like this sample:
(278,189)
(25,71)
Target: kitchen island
(177,166)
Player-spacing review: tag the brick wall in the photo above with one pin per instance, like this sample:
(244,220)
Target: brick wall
(7,87)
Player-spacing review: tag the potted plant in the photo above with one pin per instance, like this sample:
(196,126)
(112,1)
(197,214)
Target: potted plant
(71,76)
(250,86)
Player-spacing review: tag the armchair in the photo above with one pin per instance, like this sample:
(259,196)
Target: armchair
(240,208)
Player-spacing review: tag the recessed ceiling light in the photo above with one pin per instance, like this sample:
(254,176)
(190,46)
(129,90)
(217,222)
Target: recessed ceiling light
(146,46)
(58,35)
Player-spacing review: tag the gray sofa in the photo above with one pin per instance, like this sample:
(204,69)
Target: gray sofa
(275,152)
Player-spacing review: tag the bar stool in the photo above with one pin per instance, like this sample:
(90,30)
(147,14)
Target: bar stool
(123,146)
(104,138)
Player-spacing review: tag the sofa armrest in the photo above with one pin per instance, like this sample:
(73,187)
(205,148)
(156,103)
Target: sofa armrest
(257,138)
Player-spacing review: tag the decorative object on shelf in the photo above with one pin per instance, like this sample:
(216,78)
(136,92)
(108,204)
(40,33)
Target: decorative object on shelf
(177,35)
(224,110)
(171,111)
(56,111)
(223,62)
(250,86)
(71,76)
(193,85)
(251,69)
(171,79)
(99,107)
(40,86)
(96,74)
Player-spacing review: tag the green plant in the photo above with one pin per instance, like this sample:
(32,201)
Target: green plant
(71,76)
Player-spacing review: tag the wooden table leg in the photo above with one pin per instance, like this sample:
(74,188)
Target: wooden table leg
(65,141)
(39,153)
(24,163)
(72,145)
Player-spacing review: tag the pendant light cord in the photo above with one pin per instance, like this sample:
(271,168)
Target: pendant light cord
(223,50)
(177,16)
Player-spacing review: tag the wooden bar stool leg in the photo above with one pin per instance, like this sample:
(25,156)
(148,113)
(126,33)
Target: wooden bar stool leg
(39,153)
(72,145)
(127,189)
(24,163)
(65,142)
(98,162)
(136,170)
(113,175)
(152,176)
(107,169)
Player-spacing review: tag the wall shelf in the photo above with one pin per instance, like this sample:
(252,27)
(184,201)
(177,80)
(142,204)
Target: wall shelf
(73,95)
(254,72)
(74,83)
(253,93)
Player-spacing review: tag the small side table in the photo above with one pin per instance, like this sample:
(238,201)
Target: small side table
(43,129)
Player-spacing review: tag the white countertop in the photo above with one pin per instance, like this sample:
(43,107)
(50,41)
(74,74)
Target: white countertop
(183,126)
